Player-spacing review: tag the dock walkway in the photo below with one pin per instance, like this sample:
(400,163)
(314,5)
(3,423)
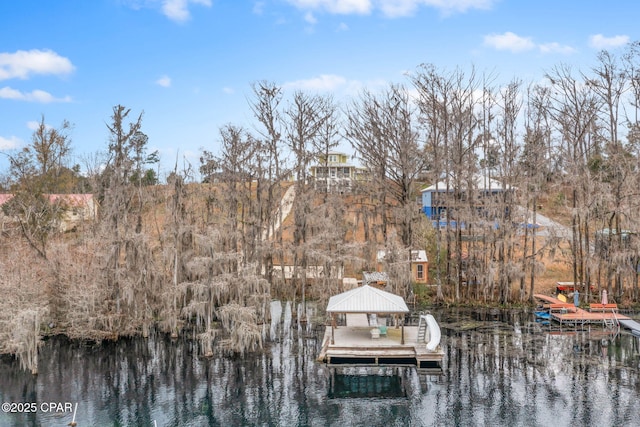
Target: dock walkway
(563,312)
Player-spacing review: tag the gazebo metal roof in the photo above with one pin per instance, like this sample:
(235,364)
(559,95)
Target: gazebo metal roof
(366,299)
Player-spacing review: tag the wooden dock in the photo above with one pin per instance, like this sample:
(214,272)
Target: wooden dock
(606,314)
(354,346)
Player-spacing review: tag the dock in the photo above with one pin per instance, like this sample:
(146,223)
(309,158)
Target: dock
(606,314)
(367,329)
(354,346)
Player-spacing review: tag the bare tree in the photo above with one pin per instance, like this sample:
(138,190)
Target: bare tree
(305,120)
(614,164)
(36,172)
(574,110)
(535,170)
(382,129)
(129,271)
(272,172)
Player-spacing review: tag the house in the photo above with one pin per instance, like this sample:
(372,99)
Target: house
(417,259)
(313,272)
(334,173)
(77,208)
(436,199)
(376,278)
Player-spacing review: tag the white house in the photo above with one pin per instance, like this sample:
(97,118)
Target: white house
(334,172)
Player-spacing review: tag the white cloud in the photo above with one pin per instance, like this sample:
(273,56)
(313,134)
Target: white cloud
(390,8)
(35,125)
(228,90)
(342,27)
(10,143)
(164,81)
(515,43)
(178,10)
(556,48)
(33,96)
(395,8)
(461,6)
(322,83)
(258,7)
(310,18)
(339,85)
(509,41)
(23,64)
(342,7)
(598,41)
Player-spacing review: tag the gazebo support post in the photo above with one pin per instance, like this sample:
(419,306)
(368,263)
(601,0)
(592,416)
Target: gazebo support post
(333,327)
(402,334)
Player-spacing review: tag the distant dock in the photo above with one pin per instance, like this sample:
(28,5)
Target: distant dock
(606,314)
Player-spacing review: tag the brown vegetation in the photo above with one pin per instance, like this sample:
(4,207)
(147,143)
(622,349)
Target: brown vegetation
(207,258)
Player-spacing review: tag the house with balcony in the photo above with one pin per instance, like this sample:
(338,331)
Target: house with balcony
(333,172)
(437,199)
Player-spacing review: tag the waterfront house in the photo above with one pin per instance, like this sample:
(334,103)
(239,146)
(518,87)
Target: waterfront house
(437,199)
(333,172)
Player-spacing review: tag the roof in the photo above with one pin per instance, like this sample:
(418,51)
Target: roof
(4,198)
(71,199)
(417,255)
(366,299)
(334,165)
(608,231)
(481,182)
(374,276)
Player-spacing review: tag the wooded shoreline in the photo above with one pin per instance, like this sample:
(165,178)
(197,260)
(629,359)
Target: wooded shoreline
(212,255)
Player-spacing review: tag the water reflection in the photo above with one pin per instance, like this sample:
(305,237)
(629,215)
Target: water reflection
(501,368)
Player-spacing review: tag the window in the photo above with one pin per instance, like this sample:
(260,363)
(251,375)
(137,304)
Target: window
(420,271)
(333,158)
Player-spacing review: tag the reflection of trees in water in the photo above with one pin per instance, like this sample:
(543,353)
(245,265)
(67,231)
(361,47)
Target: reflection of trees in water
(509,374)
(497,372)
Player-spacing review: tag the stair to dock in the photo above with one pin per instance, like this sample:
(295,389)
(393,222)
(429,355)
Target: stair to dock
(609,323)
(422,330)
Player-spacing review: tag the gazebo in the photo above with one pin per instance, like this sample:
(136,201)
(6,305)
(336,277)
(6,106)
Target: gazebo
(368,300)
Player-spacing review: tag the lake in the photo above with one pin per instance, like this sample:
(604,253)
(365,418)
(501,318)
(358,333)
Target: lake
(500,368)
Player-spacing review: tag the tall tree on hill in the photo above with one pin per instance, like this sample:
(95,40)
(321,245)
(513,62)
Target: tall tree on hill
(463,143)
(612,164)
(447,102)
(382,129)
(129,272)
(631,61)
(266,108)
(306,118)
(509,105)
(36,171)
(235,170)
(574,109)
(434,91)
(534,167)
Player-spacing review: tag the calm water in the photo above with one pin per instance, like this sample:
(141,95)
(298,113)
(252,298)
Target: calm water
(501,368)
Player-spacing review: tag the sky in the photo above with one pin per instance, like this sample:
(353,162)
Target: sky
(188,65)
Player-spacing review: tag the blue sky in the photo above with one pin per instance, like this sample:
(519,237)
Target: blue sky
(189,64)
